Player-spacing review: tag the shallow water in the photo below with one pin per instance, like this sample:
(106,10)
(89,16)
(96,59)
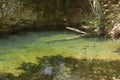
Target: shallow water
(26,47)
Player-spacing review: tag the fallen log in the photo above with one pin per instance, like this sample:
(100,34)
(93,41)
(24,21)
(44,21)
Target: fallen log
(76,30)
(89,32)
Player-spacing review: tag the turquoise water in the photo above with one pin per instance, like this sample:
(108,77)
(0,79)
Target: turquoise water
(26,47)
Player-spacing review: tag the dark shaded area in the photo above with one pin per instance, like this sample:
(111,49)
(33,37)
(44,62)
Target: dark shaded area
(23,28)
(77,69)
(117,51)
(39,15)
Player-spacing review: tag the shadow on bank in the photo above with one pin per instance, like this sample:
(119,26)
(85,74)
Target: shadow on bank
(66,68)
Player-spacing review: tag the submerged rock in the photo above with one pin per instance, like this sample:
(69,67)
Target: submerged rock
(48,71)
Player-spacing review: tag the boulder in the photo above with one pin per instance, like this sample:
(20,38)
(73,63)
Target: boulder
(115,32)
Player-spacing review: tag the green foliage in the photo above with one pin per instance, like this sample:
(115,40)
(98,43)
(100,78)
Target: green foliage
(94,23)
(114,1)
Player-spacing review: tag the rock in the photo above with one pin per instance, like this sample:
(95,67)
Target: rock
(48,70)
(115,32)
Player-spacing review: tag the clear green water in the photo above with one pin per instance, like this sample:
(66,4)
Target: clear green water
(25,48)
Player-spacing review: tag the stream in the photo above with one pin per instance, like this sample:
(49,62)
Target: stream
(26,47)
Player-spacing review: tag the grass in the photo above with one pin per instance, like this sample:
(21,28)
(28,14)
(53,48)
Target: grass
(25,48)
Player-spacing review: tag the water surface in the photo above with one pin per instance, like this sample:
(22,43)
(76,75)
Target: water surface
(26,47)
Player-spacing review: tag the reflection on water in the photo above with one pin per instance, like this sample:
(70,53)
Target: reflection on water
(48,71)
(63,72)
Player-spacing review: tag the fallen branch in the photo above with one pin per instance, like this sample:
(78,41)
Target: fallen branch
(76,30)
(92,32)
